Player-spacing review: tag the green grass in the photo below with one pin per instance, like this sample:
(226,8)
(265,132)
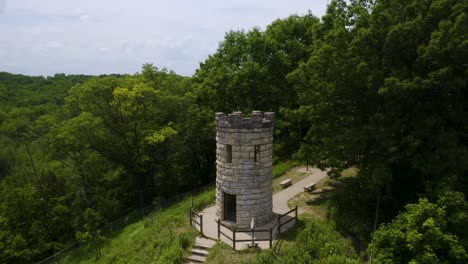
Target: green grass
(310,204)
(349,172)
(163,237)
(314,239)
(283,167)
(166,237)
(292,174)
(309,241)
(223,253)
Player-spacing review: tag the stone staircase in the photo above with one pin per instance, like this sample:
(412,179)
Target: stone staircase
(200,250)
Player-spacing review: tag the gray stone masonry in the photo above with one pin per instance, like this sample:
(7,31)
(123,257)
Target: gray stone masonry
(244,164)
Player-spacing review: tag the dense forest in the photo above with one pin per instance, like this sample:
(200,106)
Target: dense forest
(376,85)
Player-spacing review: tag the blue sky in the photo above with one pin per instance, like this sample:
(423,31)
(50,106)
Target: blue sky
(43,37)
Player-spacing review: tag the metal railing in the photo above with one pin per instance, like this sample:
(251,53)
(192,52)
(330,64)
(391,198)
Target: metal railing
(272,232)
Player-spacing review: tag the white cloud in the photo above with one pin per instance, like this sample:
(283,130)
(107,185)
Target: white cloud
(2,6)
(54,45)
(106,36)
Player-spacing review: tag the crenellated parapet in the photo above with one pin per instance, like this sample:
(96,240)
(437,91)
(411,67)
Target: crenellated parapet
(236,120)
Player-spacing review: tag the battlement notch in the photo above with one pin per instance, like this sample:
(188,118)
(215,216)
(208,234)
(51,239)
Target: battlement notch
(237,120)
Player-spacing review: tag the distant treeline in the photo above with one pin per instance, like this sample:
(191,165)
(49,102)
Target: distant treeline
(376,85)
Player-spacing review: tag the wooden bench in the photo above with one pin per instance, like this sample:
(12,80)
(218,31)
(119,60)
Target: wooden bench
(309,187)
(286,183)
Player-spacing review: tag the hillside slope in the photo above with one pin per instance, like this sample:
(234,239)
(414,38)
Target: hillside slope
(162,237)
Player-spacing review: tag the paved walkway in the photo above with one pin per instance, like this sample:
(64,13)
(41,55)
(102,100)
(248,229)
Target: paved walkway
(280,199)
(280,206)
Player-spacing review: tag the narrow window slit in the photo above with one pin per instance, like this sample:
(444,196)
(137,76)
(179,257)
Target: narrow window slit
(229,153)
(257,153)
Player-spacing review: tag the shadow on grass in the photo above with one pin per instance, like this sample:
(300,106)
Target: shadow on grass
(321,196)
(350,206)
(290,234)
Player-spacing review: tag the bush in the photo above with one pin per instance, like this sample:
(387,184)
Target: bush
(317,243)
(425,233)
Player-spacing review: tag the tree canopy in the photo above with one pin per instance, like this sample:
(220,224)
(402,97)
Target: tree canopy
(378,86)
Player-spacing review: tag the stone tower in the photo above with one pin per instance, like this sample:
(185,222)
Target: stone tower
(243,169)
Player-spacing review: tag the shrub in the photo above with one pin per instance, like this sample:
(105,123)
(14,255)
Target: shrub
(317,243)
(425,233)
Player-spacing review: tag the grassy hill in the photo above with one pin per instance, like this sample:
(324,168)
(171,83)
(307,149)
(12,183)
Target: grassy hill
(166,237)
(162,237)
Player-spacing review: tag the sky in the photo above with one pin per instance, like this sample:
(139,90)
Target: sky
(44,37)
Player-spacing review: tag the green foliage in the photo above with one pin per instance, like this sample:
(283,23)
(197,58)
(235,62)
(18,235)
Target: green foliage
(317,242)
(376,94)
(249,72)
(113,143)
(352,214)
(282,167)
(375,85)
(171,254)
(162,237)
(161,135)
(425,233)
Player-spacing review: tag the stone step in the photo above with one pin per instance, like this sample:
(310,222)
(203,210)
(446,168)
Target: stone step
(204,242)
(199,251)
(201,247)
(196,259)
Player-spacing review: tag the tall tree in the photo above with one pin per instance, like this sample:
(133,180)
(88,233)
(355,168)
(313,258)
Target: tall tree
(425,233)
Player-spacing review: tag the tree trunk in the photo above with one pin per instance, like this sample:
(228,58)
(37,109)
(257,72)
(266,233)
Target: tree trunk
(376,218)
(141,191)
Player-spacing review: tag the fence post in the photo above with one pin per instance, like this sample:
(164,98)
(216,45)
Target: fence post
(217,221)
(201,224)
(271,237)
(279,225)
(190,216)
(234,238)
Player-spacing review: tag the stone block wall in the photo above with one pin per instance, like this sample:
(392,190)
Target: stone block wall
(247,170)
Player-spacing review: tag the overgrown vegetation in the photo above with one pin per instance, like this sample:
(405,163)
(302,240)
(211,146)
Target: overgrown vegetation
(162,237)
(315,242)
(380,86)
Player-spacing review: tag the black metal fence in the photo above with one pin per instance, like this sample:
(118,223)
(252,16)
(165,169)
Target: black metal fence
(271,233)
(135,215)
